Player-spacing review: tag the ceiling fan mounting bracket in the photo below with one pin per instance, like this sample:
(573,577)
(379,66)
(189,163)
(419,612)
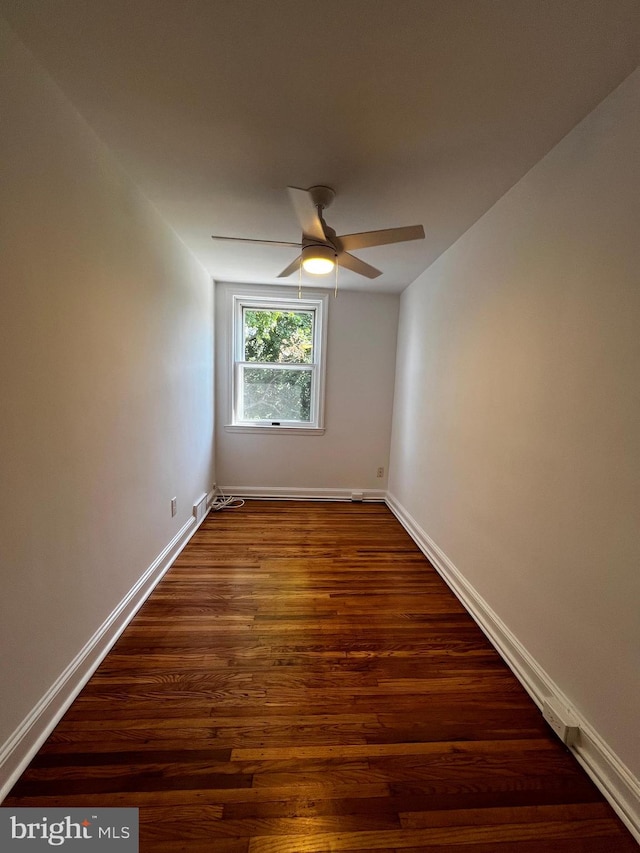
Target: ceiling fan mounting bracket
(322,196)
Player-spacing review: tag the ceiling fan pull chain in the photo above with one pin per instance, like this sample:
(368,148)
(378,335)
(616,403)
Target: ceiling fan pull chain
(335,293)
(300,279)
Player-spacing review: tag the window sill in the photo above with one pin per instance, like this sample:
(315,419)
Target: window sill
(290,430)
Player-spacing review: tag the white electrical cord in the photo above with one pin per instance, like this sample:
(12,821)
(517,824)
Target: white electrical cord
(222,502)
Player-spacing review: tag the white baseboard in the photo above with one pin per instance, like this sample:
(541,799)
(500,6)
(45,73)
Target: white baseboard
(26,740)
(288,493)
(613,778)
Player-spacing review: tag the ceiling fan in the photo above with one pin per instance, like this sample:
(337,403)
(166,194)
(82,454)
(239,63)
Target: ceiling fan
(321,248)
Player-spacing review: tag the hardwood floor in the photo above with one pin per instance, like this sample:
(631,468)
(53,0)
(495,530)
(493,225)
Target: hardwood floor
(302,680)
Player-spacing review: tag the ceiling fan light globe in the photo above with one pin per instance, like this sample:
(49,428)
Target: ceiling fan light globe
(318,260)
(318,266)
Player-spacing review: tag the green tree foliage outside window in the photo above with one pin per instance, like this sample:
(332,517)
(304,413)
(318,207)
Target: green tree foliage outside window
(280,336)
(277,337)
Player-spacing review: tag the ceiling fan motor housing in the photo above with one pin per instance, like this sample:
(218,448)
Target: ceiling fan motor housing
(317,250)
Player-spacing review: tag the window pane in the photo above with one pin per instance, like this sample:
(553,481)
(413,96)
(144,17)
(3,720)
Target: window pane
(285,337)
(276,394)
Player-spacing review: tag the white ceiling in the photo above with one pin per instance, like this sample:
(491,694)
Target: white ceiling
(414,111)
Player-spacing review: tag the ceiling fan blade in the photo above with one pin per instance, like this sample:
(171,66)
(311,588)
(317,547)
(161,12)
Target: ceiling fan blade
(381,238)
(260,242)
(349,262)
(293,266)
(307,214)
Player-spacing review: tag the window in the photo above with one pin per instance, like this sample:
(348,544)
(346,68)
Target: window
(278,372)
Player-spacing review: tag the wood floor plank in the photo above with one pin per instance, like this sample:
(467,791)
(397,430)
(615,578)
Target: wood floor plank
(439,836)
(377,750)
(302,680)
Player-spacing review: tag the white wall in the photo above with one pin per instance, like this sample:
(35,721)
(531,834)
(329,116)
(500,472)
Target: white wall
(517,413)
(359,400)
(106,404)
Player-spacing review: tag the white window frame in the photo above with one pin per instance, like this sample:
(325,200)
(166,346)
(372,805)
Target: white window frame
(318,306)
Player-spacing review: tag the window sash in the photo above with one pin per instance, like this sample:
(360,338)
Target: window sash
(243,342)
(240,418)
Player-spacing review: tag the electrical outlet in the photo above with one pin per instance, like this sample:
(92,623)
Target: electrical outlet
(561,721)
(380,472)
(174,506)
